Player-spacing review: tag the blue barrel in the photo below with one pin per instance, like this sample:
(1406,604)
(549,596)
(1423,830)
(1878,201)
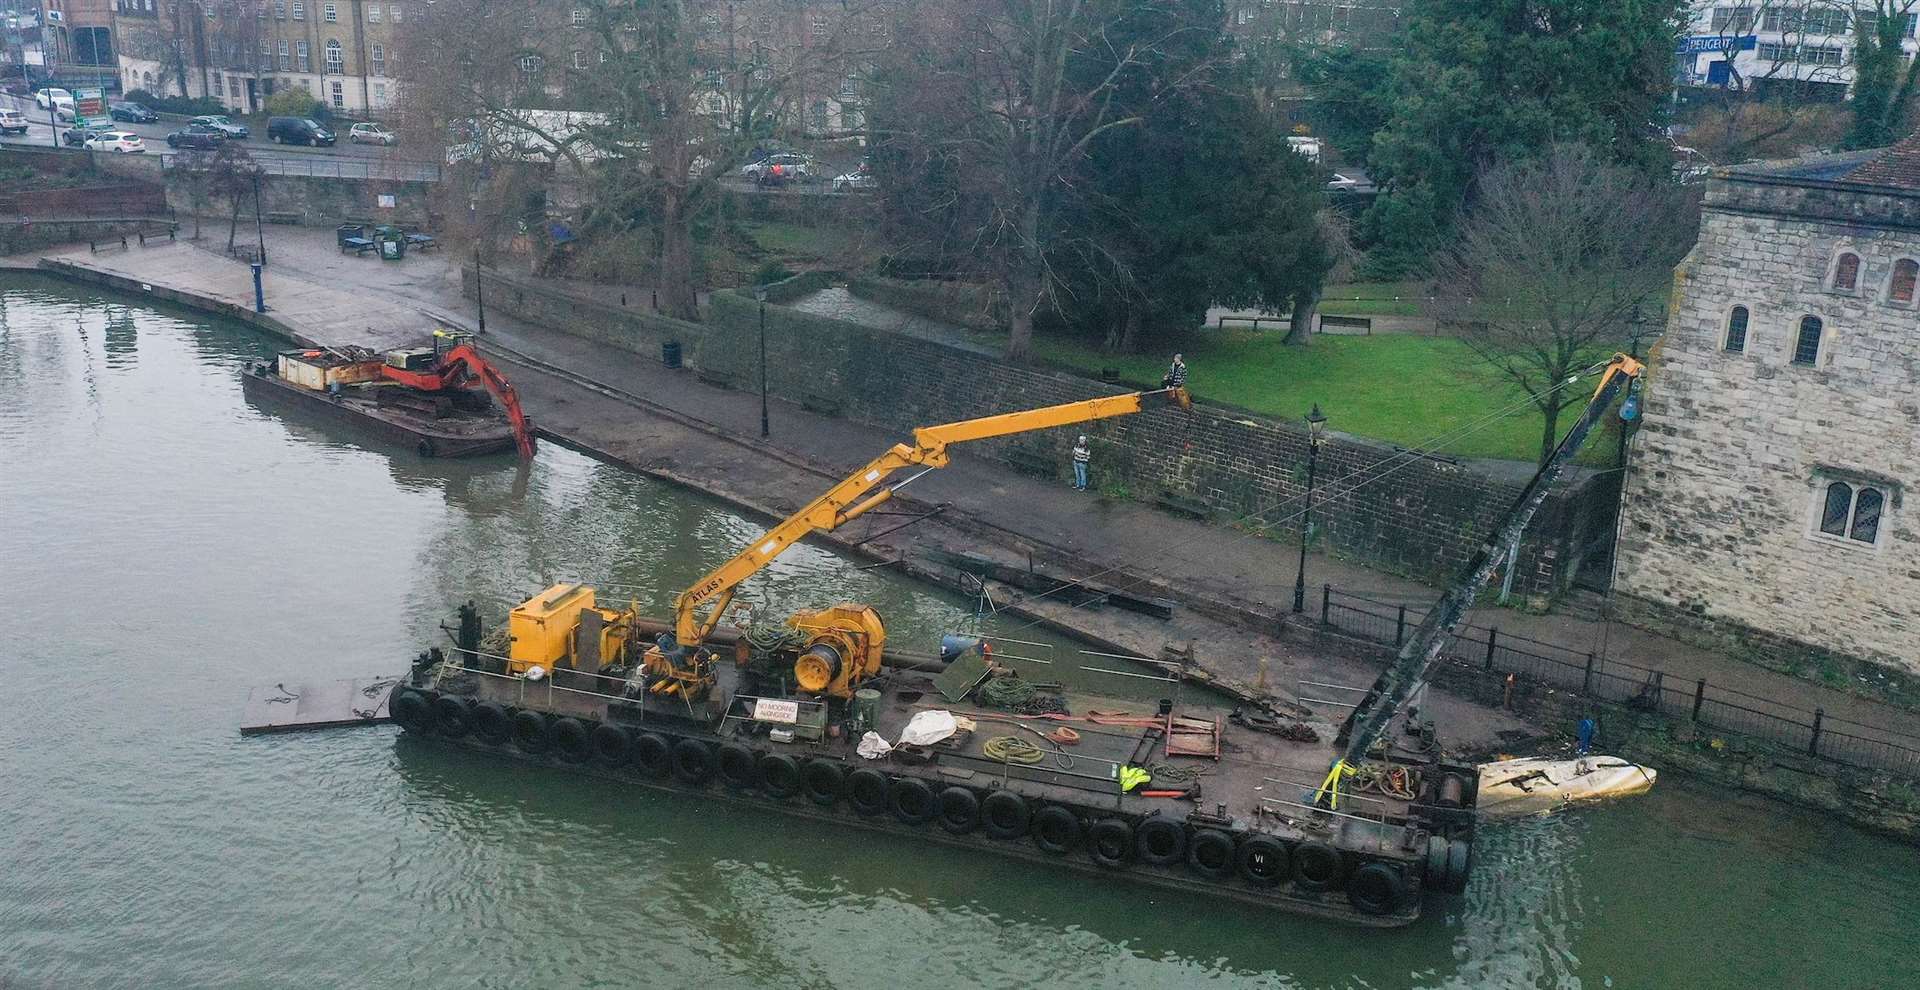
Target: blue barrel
(954,645)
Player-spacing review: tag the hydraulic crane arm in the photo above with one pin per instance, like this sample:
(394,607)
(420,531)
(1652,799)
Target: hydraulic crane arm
(458,366)
(1410,667)
(856,495)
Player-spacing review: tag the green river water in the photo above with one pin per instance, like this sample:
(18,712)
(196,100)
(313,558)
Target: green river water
(165,545)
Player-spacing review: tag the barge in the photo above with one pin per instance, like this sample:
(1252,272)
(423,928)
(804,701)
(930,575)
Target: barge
(420,397)
(815,716)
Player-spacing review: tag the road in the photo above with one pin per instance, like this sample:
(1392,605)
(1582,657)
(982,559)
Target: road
(344,159)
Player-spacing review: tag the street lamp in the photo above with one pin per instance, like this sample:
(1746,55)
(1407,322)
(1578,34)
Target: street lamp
(1316,427)
(479,291)
(259,225)
(760,293)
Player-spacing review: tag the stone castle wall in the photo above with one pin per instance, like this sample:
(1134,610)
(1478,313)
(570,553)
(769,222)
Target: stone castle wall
(1737,448)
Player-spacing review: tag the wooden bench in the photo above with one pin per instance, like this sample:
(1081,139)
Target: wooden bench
(293,218)
(358,245)
(1183,505)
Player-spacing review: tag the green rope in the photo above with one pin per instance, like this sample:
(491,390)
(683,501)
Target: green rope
(1017,695)
(1013,749)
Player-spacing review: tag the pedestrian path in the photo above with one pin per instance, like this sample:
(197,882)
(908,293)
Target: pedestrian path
(352,299)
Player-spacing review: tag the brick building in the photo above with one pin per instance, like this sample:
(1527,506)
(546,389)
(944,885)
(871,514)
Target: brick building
(1767,500)
(341,52)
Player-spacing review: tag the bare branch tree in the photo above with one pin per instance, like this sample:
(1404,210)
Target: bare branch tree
(1551,265)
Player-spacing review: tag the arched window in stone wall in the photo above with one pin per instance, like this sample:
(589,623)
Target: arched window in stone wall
(1846,272)
(1737,329)
(1901,284)
(1806,346)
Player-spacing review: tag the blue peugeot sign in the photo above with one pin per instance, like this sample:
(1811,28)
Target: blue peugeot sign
(1702,43)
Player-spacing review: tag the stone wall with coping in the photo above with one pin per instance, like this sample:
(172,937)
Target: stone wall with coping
(1720,538)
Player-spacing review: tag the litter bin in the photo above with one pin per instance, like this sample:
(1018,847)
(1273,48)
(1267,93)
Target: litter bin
(392,242)
(670,353)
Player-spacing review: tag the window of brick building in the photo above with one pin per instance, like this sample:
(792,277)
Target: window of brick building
(1806,346)
(579,18)
(1900,285)
(377,54)
(393,12)
(1851,511)
(335,63)
(373,13)
(299,10)
(330,13)
(339,97)
(300,55)
(1846,272)
(579,59)
(286,61)
(280,10)
(1737,329)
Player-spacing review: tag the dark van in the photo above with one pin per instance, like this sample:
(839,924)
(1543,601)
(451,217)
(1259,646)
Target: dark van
(297,130)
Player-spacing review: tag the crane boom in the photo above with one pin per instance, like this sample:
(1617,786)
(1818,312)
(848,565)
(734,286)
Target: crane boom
(856,495)
(1410,667)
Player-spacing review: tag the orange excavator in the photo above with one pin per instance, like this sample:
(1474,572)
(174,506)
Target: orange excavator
(451,364)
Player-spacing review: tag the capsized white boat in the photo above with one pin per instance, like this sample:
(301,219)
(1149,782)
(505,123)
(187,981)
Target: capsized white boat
(1535,784)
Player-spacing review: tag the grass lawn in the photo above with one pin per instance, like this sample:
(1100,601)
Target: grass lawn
(1402,389)
(797,244)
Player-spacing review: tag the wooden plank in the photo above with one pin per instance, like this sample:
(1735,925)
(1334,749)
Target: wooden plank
(289,707)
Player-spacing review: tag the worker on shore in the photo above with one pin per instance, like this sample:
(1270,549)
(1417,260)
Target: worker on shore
(1081,455)
(1176,376)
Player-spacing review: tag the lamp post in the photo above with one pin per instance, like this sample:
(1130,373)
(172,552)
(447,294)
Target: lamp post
(479,290)
(1316,426)
(760,293)
(259,225)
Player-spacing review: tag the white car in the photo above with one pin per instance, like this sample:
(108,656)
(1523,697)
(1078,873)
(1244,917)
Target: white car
(791,167)
(856,179)
(372,134)
(123,142)
(13,122)
(52,96)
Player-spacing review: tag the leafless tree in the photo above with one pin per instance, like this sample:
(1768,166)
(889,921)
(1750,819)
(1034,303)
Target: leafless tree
(1805,48)
(1000,91)
(1551,264)
(644,105)
(234,178)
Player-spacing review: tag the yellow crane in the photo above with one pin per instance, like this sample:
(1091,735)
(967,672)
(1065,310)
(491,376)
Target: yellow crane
(843,644)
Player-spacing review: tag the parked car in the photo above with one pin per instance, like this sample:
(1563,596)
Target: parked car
(123,142)
(13,122)
(53,96)
(859,178)
(219,122)
(199,138)
(372,134)
(65,112)
(79,136)
(298,130)
(779,168)
(132,113)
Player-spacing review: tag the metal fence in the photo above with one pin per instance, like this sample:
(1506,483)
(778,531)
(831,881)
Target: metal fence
(1606,679)
(323,166)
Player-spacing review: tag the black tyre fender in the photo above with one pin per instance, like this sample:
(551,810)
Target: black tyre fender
(1459,865)
(492,722)
(1263,861)
(780,775)
(1377,888)
(530,732)
(572,739)
(1110,843)
(823,781)
(1317,866)
(1056,830)
(1210,853)
(612,744)
(912,801)
(736,766)
(1435,869)
(959,810)
(1005,815)
(452,716)
(653,754)
(867,791)
(1160,841)
(692,761)
(410,709)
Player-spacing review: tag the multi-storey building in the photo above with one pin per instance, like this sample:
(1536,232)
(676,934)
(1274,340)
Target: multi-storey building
(1764,45)
(341,52)
(1767,501)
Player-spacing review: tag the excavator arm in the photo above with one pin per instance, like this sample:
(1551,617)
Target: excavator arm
(861,492)
(1411,665)
(455,369)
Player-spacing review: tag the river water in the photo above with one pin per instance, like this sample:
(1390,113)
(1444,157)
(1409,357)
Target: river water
(165,545)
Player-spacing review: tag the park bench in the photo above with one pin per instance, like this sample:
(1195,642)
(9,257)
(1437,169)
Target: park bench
(293,218)
(352,237)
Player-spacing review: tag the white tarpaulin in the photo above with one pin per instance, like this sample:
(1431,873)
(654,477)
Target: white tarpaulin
(873,747)
(927,728)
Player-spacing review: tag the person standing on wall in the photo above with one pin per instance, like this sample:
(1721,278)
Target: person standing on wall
(1081,455)
(1176,376)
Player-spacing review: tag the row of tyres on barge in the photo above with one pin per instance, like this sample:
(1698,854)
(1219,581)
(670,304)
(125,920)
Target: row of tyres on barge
(1253,834)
